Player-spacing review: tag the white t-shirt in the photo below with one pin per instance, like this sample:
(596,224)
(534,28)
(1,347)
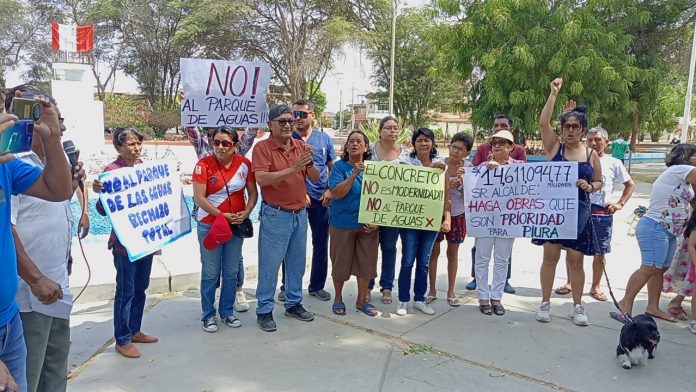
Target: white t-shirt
(669,202)
(612,171)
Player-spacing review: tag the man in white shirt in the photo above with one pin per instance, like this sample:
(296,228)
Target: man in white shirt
(603,210)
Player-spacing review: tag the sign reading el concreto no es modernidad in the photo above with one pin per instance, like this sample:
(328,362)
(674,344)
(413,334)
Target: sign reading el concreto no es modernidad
(146,207)
(221,92)
(403,196)
(531,200)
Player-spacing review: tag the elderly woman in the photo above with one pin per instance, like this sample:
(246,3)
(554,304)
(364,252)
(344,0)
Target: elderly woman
(353,246)
(490,296)
(658,230)
(386,149)
(569,148)
(132,278)
(459,149)
(418,244)
(219,185)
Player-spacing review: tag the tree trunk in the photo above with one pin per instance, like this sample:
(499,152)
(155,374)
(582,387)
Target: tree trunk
(634,129)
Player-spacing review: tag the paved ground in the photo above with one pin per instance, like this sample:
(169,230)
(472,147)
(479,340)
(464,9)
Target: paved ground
(457,349)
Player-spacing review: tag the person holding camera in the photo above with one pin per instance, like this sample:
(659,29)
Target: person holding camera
(281,165)
(219,183)
(132,278)
(52,183)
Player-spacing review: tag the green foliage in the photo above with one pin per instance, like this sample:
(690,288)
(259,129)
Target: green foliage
(371,130)
(318,97)
(124,111)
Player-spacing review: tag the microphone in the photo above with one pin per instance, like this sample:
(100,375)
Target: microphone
(71,152)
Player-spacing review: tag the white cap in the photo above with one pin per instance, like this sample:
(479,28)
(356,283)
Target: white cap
(504,135)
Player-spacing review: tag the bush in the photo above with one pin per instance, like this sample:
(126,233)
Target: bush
(124,111)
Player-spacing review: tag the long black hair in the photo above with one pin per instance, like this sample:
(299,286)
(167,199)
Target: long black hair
(690,224)
(366,155)
(680,154)
(427,133)
(228,130)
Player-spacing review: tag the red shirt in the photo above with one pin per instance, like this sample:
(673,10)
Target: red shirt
(484,149)
(269,156)
(214,175)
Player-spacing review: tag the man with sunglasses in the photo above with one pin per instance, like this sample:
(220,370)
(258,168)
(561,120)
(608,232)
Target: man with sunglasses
(484,152)
(318,194)
(281,165)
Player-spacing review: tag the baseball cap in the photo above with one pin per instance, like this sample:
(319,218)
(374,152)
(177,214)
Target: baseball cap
(504,135)
(220,232)
(278,110)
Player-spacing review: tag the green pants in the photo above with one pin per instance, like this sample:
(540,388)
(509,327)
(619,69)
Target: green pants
(48,346)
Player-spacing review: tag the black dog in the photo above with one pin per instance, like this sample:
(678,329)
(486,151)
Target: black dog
(637,337)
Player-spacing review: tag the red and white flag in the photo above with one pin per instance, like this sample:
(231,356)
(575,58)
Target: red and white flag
(72,38)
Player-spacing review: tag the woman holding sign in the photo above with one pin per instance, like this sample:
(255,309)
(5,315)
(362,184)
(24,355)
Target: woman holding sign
(417,244)
(353,246)
(219,184)
(569,148)
(490,296)
(132,278)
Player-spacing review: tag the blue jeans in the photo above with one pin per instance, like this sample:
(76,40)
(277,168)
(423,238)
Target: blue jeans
(13,352)
(240,274)
(282,236)
(223,260)
(387,242)
(132,279)
(319,223)
(416,246)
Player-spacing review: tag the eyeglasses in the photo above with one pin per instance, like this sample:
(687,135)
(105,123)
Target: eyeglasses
(496,143)
(285,122)
(225,143)
(457,148)
(300,114)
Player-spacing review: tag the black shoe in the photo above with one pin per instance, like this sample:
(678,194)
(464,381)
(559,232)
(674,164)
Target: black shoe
(265,322)
(509,289)
(321,294)
(281,296)
(299,313)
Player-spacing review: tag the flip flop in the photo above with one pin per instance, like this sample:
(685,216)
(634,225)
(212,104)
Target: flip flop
(453,302)
(387,297)
(618,317)
(670,319)
(368,309)
(339,308)
(678,312)
(429,299)
(599,296)
(562,290)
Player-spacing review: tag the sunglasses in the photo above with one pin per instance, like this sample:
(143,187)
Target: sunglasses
(285,122)
(496,143)
(225,143)
(300,114)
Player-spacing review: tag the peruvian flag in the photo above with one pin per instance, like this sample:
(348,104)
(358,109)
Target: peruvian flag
(72,38)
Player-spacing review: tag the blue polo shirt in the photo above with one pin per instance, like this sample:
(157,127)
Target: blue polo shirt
(15,177)
(344,211)
(324,153)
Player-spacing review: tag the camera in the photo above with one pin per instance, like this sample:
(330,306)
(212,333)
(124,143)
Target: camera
(28,109)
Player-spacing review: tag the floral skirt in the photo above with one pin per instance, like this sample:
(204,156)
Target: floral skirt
(681,275)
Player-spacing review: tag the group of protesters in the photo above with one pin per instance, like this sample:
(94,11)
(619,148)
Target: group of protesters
(304,185)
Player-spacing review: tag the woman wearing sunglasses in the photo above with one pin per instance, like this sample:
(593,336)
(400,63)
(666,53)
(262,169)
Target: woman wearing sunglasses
(132,278)
(219,184)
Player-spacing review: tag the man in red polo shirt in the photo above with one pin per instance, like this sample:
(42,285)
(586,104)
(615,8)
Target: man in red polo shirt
(281,165)
(501,122)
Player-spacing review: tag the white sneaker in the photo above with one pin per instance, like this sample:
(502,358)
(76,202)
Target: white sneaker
(240,303)
(402,309)
(210,325)
(544,312)
(423,307)
(577,313)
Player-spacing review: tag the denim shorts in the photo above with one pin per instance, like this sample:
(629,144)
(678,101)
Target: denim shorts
(602,223)
(657,245)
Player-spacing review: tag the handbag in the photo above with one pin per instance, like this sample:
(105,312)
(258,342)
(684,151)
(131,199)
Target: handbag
(244,229)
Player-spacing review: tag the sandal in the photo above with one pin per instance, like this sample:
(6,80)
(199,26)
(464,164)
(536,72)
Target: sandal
(598,295)
(678,312)
(386,296)
(429,299)
(498,309)
(563,290)
(368,309)
(339,308)
(486,309)
(453,302)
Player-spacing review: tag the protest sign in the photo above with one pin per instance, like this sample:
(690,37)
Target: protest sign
(531,200)
(145,206)
(402,196)
(224,93)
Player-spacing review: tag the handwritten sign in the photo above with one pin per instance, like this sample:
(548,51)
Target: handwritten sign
(224,93)
(145,206)
(399,195)
(531,200)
